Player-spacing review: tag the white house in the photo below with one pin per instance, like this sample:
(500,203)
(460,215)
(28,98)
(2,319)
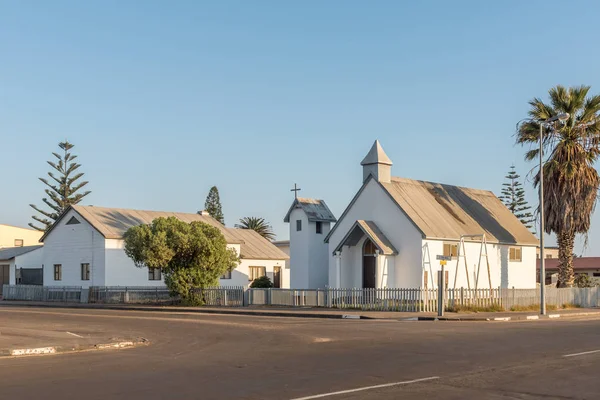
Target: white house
(14,236)
(394,228)
(310,221)
(85,248)
(13,259)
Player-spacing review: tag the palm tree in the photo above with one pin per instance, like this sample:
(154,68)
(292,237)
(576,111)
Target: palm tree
(570,179)
(259,225)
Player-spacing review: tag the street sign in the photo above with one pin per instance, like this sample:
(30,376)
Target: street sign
(444,258)
(442,262)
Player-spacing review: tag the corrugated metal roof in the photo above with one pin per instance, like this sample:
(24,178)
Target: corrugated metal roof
(9,253)
(315,210)
(579,263)
(254,246)
(373,232)
(112,223)
(446,212)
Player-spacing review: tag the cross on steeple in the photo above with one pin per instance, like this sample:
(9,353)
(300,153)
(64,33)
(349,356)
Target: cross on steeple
(296,189)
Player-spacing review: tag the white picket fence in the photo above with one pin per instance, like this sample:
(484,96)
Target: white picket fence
(421,300)
(388,299)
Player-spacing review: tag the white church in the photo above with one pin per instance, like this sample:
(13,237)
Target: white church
(393,230)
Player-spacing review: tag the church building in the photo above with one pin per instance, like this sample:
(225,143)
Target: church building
(393,231)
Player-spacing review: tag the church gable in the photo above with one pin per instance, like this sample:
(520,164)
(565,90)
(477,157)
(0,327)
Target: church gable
(373,203)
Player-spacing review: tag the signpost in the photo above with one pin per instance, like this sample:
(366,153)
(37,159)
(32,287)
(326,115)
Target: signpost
(442,283)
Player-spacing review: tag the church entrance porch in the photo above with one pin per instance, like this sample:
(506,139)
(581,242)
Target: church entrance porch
(364,258)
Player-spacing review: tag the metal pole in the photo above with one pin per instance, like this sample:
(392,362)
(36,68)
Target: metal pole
(441,292)
(542,266)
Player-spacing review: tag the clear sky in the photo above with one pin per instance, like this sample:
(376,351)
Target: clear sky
(164,99)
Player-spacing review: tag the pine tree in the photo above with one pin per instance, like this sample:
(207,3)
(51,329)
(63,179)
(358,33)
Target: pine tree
(513,196)
(63,191)
(213,205)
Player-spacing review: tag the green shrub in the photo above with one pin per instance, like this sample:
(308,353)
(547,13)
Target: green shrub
(261,283)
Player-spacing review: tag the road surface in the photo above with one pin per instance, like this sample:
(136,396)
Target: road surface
(196,356)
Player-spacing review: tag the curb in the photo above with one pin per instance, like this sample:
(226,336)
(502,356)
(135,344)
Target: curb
(198,311)
(503,319)
(37,351)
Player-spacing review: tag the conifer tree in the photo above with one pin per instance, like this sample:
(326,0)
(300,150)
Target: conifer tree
(62,190)
(213,205)
(513,196)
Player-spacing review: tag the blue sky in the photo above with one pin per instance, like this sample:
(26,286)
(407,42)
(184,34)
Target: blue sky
(165,99)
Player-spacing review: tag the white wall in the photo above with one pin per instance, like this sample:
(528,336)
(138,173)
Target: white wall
(299,256)
(375,205)
(308,253)
(239,276)
(72,245)
(120,269)
(504,273)
(33,259)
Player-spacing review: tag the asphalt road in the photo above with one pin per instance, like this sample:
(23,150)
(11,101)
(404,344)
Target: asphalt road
(238,357)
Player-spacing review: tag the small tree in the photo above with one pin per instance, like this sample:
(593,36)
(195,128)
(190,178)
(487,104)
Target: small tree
(213,205)
(259,225)
(584,281)
(63,191)
(261,283)
(513,196)
(190,255)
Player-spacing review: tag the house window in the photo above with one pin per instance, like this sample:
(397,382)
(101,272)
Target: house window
(85,272)
(319,226)
(514,254)
(57,272)
(596,274)
(548,255)
(154,274)
(19,242)
(226,275)
(298,225)
(73,221)
(450,250)
(256,272)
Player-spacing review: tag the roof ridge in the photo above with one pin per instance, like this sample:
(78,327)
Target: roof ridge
(416,181)
(131,209)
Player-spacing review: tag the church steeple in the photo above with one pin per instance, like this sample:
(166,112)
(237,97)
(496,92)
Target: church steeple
(377,163)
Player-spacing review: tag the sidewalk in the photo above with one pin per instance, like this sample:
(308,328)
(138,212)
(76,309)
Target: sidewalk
(309,312)
(20,338)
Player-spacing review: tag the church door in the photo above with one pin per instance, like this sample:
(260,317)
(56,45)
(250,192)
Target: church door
(369,264)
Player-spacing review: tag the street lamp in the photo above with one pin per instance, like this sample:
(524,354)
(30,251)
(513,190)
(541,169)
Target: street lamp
(560,117)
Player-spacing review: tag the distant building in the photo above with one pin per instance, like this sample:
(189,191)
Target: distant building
(549,252)
(284,245)
(589,266)
(14,236)
(14,259)
(85,247)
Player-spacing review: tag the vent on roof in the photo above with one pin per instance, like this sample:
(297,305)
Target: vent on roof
(73,221)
